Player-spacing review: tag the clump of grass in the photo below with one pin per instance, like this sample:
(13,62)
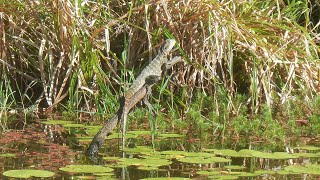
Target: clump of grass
(82,56)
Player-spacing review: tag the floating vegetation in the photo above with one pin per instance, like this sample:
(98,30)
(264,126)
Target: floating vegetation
(171,135)
(224,177)
(56,122)
(234,167)
(231,153)
(276,155)
(151,162)
(304,169)
(139,150)
(308,155)
(7,155)
(86,169)
(119,135)
(309,148)
(203,160)
(92,130)
(28,173)
(140,132)
(72,125)
(167,178)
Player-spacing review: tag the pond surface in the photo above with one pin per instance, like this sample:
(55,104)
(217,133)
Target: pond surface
(55,150)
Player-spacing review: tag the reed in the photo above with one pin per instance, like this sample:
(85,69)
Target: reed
(81,56)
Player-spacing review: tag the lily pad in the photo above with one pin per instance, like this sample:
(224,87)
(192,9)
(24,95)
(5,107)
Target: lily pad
(307,169)
(234,167)
(308,155)
(170,135)
(119,136)
(246,174)
(103,174)
(148,168)
(86,169)
(226,152)
(139,150)
(144,162)
(309,148)
(92,130)
(112,158)
(166,178)
(264,172)
(276,155)
(7,155)
(248,152)
(224,177)
(202,160)
(56,122)
(73,125)
(28,173)
(138,133)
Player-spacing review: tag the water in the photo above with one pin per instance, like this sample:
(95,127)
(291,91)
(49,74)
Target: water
(51,147)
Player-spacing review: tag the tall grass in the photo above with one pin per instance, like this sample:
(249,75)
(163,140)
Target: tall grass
(80,54)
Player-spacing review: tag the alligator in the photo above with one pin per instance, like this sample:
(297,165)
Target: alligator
(140,88)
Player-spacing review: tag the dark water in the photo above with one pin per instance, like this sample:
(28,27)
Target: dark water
(50,147)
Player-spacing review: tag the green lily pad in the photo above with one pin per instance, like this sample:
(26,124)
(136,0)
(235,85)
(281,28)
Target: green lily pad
(174,153)
(284,155)
(188,154)
(227,152)
(309,148)
(208,172)
(103,174)
(308,155)
(144,162)
(209,150)
(246,174)
(92,130)
(119,136)
(307,169)
(283,172)
(276,155)
(56,122)
(166,178)
(7,155)
(224,177)
(86,169)
(148,168)
(85,138)
(28,173)
(170,135)
(234,167)
(202,160)
(248,152)
(72,125)
(139,150)
(138,133)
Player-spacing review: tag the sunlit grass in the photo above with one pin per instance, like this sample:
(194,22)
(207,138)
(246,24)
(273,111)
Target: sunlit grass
(81,56)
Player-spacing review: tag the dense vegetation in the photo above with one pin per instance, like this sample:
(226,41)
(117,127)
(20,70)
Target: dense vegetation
(251,66)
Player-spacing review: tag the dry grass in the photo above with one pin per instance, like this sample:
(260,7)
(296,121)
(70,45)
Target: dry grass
(87,51)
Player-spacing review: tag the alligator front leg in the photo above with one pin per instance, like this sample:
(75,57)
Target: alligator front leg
(150,81)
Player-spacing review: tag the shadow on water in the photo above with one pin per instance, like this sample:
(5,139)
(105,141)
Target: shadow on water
(59,146)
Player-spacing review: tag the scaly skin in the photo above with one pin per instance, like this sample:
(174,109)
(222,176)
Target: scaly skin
(153,69)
